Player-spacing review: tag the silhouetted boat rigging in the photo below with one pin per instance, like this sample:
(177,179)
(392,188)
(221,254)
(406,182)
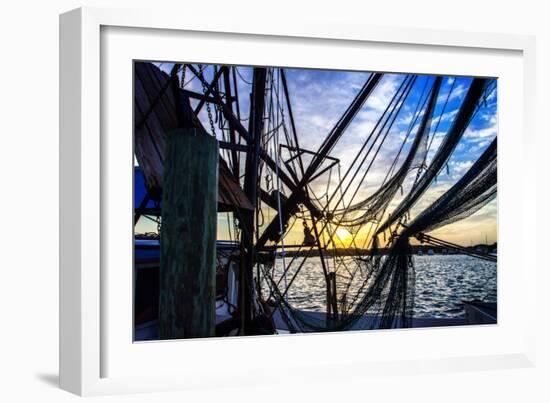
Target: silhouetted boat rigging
(263,165)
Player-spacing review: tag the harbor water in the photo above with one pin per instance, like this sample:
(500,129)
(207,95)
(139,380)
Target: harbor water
(441,283)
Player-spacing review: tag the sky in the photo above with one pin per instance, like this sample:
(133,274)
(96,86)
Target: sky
(320,97)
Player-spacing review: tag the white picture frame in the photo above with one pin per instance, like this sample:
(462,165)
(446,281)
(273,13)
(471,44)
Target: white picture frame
(95,357)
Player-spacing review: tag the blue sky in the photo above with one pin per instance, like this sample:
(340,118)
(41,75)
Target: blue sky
(320,97)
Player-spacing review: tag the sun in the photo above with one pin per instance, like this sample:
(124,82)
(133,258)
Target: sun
(342,234)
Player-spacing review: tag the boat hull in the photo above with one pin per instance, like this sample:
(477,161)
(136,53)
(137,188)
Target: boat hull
(480,313)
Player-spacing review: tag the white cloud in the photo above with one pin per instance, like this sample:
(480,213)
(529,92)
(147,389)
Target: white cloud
(447,116)
(384,92)
(458,91)
(487,132)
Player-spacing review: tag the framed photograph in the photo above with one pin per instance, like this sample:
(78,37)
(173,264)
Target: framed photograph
(319,196)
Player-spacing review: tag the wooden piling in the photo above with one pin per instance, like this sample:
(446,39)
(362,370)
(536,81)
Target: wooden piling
(188,236)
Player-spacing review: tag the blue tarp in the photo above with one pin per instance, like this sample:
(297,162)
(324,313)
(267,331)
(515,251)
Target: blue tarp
(149,249)
(140,191)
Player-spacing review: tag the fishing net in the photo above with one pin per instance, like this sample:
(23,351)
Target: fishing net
(473,191)
(387,299)
(387,295)
(465,114)
(373,207)
(396,275)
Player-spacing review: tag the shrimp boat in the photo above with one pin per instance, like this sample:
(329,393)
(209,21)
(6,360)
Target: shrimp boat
(267,181)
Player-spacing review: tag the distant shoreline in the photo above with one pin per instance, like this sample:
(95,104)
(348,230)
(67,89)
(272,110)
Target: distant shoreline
(415,249)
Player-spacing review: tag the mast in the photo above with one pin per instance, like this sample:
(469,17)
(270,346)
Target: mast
(257,103)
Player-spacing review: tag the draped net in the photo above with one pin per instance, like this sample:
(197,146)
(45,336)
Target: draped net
(388,297)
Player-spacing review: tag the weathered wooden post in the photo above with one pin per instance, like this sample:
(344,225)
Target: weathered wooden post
(188,236)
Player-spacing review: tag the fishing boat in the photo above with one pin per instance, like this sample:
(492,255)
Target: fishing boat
(261,166)
(146,286)
(480,312)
